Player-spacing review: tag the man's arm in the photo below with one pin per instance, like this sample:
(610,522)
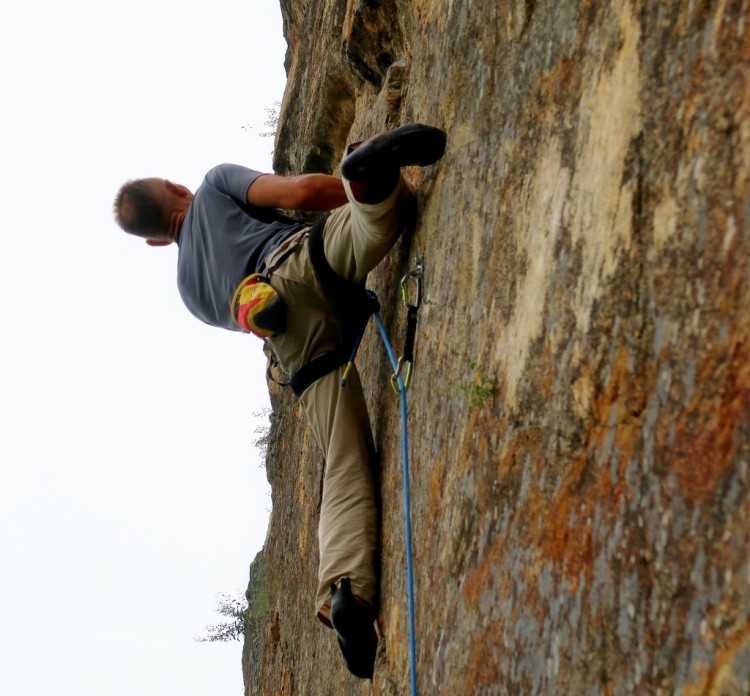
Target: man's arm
(314,192)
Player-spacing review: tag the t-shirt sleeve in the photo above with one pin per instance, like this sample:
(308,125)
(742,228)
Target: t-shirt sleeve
(232,180)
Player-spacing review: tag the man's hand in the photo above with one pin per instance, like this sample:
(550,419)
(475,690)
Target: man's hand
(314,192)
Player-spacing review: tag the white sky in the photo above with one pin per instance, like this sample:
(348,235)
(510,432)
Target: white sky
(131,493)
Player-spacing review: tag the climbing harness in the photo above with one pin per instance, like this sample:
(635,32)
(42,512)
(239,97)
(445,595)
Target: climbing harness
(352,300)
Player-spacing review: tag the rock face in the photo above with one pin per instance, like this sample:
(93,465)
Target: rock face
(580,412)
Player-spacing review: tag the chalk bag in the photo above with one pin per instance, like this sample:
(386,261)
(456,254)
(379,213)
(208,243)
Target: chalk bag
(258,308)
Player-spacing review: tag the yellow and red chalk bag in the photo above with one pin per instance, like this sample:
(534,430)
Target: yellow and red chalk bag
(258,308)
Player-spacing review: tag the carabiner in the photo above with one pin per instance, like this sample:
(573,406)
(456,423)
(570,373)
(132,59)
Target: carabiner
(396,376)
(414,275)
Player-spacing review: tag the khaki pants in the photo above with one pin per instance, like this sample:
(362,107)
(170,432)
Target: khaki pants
(356,238)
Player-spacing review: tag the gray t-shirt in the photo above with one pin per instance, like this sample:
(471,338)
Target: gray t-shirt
(222,240)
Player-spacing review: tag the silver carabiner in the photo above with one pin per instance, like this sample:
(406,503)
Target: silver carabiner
(414,275)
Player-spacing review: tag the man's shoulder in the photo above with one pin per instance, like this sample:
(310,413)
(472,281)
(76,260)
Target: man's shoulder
(231,178)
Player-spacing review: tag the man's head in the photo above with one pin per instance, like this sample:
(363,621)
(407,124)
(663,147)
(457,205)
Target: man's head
(152,209)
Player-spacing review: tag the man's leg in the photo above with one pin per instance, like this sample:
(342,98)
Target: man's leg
(347,531)
(340,422)
(359,235)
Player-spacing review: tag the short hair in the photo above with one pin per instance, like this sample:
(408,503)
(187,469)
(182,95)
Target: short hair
(138,210)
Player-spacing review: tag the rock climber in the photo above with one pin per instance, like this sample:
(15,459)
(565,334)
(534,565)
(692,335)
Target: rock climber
(229,229)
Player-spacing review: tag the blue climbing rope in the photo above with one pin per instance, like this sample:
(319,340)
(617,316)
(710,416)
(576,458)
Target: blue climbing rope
(400,383)
(407,504)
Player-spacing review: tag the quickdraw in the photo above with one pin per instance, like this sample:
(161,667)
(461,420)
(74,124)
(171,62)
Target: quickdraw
(413,277)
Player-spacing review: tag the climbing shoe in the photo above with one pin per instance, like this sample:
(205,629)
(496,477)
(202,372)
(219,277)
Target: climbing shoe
(354,624)
(389,151)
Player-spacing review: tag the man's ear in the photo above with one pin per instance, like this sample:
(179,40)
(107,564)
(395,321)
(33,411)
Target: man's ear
(177,189)
(158,242)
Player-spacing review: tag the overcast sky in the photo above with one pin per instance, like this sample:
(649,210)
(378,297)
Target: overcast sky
(131,493)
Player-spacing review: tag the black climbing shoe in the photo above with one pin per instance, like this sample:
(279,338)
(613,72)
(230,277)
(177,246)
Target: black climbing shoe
(387,152)
(354,624)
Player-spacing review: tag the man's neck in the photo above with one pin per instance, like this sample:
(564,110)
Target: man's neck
(175,224)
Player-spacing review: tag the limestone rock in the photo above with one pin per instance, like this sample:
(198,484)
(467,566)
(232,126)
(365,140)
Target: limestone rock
(580,413)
